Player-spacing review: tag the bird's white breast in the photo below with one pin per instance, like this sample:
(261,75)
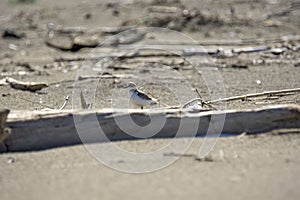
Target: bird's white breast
(137,100)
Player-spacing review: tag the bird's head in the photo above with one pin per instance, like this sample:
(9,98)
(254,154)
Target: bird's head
(131,85)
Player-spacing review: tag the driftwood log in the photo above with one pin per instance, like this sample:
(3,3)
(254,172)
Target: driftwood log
(3,132)
(3,117)
(47,129)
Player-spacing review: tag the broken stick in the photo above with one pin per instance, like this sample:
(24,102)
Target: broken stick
(30,86)
(242,97)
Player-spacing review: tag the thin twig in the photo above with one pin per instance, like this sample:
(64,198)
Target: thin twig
(44,105)
(34,102)
(84,104)
(200,99)
(208,103)
(241,97)
(198,93)
(240,42)
(190,102)
(65,103)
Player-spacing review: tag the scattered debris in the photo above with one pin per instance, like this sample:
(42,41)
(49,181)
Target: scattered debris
(239,66)
(5,94)
(164,9)
(84,104)
(116,30)
(65,29)
(179,18)
(258,82)
(74,44)
(130,37)
(255,41)
(250,49)
(12,33)
(30,86)
(69,44)
(242,135)
(207,158)
(221,154)
(26,65)
(88,15)
(292,7)
(10,160)
(278,51)
(65,103)
(105,76)
(271,23)
(13,47)
(3,82)
(243,97)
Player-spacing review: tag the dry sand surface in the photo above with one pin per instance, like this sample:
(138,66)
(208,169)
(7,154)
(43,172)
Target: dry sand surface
(262,167)
(33,48)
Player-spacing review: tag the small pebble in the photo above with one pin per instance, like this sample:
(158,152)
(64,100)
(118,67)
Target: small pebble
(5,94)
(10,160)
(115,12)
(22,73)
(88,16)
(13,47)
(221,154)
(185,12)
(258,82)
(205,159)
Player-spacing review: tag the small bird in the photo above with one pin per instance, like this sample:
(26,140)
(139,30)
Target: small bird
(140,98)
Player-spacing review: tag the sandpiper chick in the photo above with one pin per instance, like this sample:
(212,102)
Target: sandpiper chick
(140,98)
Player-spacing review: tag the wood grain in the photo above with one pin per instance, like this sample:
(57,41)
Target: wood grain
(36,130)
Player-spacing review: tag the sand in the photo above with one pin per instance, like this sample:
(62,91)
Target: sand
(260,167)
(265,166)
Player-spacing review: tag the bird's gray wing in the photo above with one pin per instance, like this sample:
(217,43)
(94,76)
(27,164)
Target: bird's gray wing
(143,95)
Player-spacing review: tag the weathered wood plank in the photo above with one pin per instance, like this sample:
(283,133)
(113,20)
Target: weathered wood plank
(47,129)
(3,132)
(3,117)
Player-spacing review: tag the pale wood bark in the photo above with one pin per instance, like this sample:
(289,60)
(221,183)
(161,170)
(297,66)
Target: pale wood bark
(3,132)
(3,116)
(47,129)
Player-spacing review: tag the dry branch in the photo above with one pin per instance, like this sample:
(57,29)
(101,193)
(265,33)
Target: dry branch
(65,103)
(292,7)
(164,9)
(30,86)
(40,130)
(243,97)
(115,30)
(84,104)
(76,43)
(168,51)
(105,76)
(81,30)
(240,42)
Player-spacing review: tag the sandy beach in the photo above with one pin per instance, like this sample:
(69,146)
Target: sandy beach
(253,46)
(260,167)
